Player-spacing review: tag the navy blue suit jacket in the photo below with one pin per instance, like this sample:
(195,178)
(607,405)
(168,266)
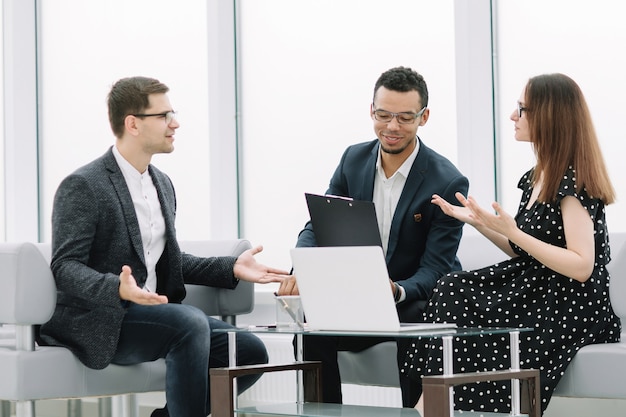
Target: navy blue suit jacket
(423,241)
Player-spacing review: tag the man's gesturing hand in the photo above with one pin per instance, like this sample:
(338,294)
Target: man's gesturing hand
(130,291)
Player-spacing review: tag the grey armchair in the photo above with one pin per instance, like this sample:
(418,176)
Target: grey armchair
(28,298)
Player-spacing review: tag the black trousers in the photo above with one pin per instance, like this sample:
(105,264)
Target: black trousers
(325,348)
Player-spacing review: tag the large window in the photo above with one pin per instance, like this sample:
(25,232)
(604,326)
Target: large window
(84,48)
(308,70)
(2,191)
(306,74)
(536,37)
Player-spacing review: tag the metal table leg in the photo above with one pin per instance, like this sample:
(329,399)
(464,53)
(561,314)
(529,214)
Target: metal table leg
(438,390)
(515,393)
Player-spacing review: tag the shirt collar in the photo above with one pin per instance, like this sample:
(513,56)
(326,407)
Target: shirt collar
(128,170)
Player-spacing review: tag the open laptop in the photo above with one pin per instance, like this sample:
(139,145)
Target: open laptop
(341,221)
(347,288)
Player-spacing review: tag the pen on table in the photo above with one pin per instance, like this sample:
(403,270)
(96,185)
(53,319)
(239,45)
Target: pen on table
(261,326)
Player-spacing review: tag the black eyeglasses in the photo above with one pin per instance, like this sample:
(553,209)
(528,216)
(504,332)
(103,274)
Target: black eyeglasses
(169,116)
(520,109)
(402,118)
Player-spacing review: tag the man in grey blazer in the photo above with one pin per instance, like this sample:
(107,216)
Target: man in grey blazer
(119,271)
(400,174)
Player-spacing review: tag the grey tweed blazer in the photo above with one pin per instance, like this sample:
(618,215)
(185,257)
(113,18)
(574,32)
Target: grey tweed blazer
(94,233)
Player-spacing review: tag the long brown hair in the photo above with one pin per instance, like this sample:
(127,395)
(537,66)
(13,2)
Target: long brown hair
(562,134)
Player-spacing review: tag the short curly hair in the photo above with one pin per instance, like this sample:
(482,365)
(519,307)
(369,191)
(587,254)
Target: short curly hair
(403,79)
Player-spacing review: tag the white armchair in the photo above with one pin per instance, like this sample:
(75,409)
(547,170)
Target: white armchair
(28,298)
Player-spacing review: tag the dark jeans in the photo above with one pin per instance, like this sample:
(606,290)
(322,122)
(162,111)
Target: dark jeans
(184,336)
(325,348)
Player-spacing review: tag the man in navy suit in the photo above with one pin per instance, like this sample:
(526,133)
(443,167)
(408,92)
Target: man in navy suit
(119,271)
(399,173)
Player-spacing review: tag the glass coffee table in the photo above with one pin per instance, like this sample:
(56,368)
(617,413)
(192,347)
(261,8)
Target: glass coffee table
(438,391)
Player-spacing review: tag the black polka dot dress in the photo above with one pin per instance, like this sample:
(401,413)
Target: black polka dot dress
(564,313)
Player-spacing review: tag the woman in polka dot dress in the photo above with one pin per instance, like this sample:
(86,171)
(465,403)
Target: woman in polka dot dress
(556,281)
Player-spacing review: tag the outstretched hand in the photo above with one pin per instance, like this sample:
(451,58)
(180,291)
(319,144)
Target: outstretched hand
(472,213)
(248,269)
(500,221)
(461,212)
(130,291)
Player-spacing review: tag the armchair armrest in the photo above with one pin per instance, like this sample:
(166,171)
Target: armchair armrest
(27,288)
(219,301)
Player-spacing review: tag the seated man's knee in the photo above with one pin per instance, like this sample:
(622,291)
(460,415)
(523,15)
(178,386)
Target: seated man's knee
(251,350)
(194,322)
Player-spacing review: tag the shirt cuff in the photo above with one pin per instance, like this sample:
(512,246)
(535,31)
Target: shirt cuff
(400,295)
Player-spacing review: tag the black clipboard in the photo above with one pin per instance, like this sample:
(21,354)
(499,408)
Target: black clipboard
(341,221)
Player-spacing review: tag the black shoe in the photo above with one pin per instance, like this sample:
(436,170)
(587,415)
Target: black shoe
(160,412)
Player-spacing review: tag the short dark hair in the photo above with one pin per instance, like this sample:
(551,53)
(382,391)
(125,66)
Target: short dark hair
(403,79)
(131,96)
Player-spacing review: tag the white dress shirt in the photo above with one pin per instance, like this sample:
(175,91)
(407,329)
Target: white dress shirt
(149,215)
(387,193)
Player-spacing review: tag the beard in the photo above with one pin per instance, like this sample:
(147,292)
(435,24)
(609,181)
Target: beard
(395,151)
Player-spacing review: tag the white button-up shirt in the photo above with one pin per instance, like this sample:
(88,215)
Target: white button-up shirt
(149,215)
(387,192)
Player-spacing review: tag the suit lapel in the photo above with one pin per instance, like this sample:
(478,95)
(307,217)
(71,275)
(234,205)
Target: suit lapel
(413,183)
(126,202)
(367,175)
